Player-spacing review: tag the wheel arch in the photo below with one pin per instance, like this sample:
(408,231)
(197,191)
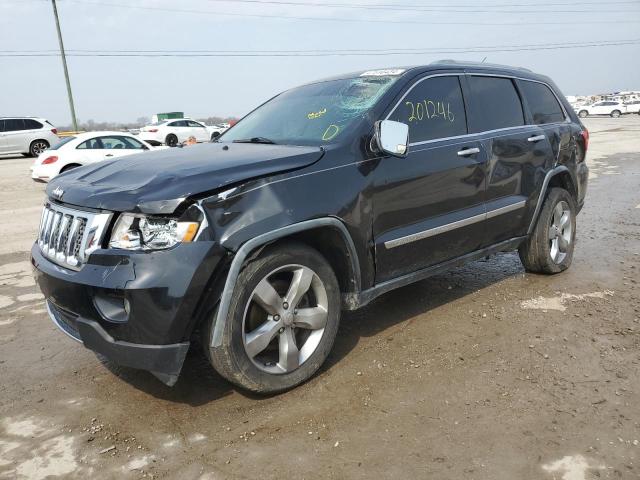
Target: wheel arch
(560,176)
(317,233)
(69,166)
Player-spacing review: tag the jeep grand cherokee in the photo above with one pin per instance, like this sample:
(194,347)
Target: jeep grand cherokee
(318,201)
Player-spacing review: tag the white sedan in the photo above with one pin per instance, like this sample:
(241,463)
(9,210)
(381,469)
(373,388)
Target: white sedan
(175,131)
(85,149)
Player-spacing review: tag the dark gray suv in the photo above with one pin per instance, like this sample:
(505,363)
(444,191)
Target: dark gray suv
(321,199)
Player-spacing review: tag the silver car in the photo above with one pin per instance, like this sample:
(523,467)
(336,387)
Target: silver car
(26,135)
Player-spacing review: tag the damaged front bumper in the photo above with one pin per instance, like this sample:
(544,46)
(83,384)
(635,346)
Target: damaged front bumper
(135,308)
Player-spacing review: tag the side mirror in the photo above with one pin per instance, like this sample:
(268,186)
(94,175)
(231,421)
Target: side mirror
(391,137)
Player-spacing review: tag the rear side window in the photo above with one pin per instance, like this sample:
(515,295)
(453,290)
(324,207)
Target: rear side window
(433,109)
(179,123)
(497,103)
(542,103)
(30,124)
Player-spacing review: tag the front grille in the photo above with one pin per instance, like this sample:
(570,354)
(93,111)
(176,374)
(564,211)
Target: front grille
(67,236)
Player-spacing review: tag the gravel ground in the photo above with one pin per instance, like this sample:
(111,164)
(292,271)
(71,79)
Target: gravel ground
(481,373)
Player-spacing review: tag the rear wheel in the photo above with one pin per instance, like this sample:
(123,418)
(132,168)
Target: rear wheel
(282,321)
(37,147)
(549,248)
(616,113)
(171,140)
(583,113)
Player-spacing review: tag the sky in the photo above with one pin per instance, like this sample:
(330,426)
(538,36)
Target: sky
(123,89)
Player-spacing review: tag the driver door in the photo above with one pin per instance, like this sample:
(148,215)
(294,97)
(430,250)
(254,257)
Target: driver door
(429,206)
(199,131)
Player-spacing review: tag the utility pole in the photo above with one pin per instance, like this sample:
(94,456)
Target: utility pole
(64,66)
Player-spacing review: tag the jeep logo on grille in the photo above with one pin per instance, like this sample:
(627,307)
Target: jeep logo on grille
(58,192)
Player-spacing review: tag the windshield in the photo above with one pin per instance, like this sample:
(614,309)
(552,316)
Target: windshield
(62,142)
(313,114)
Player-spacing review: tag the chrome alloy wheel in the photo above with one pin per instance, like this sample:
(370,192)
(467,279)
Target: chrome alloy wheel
(38,147)
(284,319)
(560,232)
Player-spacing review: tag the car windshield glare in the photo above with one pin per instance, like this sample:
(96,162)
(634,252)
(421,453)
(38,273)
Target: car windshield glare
(314,114)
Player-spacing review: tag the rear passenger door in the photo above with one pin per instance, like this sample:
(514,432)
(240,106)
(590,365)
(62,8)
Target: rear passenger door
(516,154)
(428,207)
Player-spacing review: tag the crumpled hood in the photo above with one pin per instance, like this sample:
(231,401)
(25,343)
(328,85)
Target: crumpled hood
(158,181)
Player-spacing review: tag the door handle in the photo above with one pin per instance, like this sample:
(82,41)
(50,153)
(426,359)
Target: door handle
(109,155)
(468,151)
(537,138)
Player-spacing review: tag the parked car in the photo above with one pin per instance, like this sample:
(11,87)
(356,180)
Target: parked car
(632,106)
(217,130)
(29,136)
(320,200)
(84,149)
(608,107)
(175,131)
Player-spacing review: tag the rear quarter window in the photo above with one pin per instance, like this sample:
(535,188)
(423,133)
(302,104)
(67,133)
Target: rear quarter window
(30,124)
(496,103)
(542,103)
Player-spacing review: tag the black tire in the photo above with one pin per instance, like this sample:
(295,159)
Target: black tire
(231,359)
(616,113)
(583,114)
(37,147)
(537,253)
(171,140)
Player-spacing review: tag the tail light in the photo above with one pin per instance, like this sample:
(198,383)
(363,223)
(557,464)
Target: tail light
(54,131)
(585,137)
(49,160)
(153,130)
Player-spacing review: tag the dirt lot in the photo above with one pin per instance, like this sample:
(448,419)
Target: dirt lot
(481,373)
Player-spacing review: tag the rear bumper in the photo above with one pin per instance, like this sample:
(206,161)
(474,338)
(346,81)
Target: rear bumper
(164,361)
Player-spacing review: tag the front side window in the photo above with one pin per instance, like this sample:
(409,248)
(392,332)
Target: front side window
(315,114)
(119,143)
(179,123)
(91,144)
(497,103)
(542,103)
(13,124)
(191,123)
(433,108)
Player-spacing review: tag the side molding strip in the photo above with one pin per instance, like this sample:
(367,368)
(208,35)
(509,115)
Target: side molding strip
(251,245)
(547,178)
(396,242)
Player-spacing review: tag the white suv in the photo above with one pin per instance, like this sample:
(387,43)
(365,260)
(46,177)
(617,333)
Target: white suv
(633,106)
(607,107)
(175,131)
(26,135)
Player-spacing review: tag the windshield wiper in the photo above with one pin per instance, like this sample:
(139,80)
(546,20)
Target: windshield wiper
(256,140)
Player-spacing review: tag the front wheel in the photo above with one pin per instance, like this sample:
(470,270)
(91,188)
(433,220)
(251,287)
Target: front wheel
(282,321)
(583,114)
(616,113)
(171,140)
(549,248)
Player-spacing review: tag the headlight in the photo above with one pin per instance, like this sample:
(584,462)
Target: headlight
(137,232)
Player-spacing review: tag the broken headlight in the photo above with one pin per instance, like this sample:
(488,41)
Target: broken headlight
(139,232)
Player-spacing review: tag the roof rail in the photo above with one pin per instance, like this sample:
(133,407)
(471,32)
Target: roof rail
(479,64)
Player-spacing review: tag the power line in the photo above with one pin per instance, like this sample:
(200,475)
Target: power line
(328,50)
(428,8)
(218,13)
(311,53)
